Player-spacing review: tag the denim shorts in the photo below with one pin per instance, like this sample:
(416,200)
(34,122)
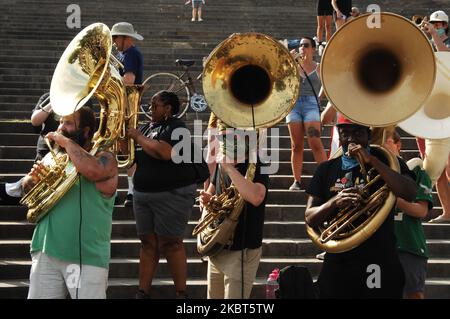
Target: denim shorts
(196,4)
(415,268)
(305,110)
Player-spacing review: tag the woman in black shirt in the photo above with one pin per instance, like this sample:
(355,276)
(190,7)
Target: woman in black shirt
(164,193)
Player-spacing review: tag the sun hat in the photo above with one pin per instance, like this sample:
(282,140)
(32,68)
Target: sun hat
(125,29)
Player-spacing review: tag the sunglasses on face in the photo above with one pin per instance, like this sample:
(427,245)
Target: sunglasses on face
(304,45)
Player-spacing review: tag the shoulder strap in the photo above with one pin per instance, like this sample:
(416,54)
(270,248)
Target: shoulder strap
(312,87)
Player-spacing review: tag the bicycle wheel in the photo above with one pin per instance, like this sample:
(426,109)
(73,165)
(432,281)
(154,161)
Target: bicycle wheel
(169,82)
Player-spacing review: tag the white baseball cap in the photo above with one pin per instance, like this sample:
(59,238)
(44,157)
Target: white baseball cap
(439,16)
(125,29)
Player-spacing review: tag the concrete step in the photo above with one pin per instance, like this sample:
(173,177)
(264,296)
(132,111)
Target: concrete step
(126,288)
(16,126)
(280,196)
(197,269)
(29,153)
(272,247)
(273,213)
(281,129)
(126,229)
(282,142)
(24,166)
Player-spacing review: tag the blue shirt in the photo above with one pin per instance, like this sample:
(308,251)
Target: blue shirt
(133,62)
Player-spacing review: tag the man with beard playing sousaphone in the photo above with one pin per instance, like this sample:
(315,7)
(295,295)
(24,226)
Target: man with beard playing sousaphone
(372,268)
(76,232)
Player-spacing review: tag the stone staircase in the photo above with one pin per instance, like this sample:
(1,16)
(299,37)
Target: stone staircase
(34,34)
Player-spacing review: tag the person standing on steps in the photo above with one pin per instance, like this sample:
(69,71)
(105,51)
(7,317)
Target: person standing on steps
(76,232)
(164,194)
(124,36)
(305,116)
(342,11)
(197,9)
(324,21)
(411,241)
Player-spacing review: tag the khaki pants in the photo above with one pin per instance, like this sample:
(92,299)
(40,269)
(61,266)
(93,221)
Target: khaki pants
(224,273)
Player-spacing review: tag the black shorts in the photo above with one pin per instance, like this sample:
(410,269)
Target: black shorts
(352,279)
(324,8)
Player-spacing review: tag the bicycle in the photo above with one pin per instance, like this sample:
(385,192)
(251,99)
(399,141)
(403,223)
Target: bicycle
(182,84)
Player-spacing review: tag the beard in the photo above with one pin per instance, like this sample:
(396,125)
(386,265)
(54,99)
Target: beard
(77,136)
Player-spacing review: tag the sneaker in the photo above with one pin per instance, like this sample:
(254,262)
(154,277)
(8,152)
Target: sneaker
(317,41)
(128,201)
(440,219)
(321,256)
(193,19)
(321,48)
(295,186)
(142,295)
(200,20)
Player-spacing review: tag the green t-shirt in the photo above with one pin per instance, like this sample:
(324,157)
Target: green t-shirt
(409,230)
(57,234)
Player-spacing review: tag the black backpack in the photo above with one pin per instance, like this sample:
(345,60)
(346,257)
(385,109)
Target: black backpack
(295,282)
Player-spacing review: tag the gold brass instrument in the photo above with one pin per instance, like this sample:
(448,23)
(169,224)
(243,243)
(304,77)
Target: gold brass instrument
(354,224)
(419,20)
(432,120)
(379,81)
(389,77)
(250,81)
(84,70)
(220,217)
(253,61)
(300,59)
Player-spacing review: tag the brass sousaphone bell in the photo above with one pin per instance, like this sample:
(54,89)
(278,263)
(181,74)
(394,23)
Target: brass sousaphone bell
(378,76)
(250,70)
(375,75)
(432,120)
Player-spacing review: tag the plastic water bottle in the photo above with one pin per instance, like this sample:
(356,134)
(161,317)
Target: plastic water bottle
(272,284)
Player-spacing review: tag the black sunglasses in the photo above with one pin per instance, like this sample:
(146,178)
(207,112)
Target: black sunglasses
(305,45)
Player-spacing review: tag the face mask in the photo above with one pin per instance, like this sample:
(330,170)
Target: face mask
(348,162)
(440,32)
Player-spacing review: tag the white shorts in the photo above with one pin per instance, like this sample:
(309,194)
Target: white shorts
(52,278)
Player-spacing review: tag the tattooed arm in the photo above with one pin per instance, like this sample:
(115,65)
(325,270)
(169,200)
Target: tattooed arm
(101,168)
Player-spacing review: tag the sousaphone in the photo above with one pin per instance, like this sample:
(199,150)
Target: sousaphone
(375,75)
(84,70)
(250,81)
(432,120)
